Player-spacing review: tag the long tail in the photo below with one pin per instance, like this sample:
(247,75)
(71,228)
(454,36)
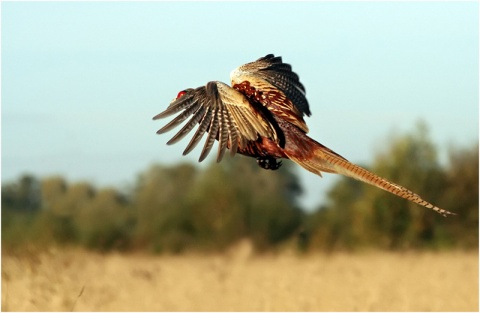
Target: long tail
(322,159)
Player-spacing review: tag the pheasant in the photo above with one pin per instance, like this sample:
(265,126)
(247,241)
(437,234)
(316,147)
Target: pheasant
(261,116)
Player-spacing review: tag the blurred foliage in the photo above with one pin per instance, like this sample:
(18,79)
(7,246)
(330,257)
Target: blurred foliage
(361,216)
(182,207)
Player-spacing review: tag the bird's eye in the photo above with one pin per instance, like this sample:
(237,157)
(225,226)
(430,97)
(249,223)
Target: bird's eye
(181,93)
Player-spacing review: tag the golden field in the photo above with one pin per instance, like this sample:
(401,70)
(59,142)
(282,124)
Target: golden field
(77,280)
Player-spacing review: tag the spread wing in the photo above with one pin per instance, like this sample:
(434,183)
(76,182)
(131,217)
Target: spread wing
(276,86)
(220,110)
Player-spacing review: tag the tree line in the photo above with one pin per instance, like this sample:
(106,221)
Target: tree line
(183,207)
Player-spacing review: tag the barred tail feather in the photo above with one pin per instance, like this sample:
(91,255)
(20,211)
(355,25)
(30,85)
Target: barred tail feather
(325,160)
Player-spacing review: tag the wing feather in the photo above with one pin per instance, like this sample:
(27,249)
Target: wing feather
(223,133)
(179,119)
(284,94)
(222,112)
(180,104)
(204,123)
(188,127)
(212,134)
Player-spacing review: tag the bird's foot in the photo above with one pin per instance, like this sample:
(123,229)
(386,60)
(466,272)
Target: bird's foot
(269,163)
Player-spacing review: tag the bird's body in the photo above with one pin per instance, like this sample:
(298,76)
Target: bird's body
(261,116)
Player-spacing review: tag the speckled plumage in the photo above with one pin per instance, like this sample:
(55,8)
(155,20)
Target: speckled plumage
(261,116)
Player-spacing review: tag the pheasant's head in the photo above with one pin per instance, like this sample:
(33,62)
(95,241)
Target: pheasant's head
(181,93)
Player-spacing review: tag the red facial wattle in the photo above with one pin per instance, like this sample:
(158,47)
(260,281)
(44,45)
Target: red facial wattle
(181,93)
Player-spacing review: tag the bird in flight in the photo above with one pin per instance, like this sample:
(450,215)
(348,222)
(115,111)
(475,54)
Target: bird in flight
(261,116)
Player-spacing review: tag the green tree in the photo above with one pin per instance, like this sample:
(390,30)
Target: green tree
(55,223)
(21,202)
(180,207)
(215,212)
(53,190)
(266,200)
(341,223)
(461,196)
(359,215)
(102,221)
(411,161)
(23,195)
(161,201)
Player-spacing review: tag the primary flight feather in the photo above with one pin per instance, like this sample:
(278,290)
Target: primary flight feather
(261,116)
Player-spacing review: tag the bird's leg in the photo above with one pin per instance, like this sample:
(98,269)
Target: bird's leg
(268,163)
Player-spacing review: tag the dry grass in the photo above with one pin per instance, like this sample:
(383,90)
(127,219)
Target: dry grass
(85,281)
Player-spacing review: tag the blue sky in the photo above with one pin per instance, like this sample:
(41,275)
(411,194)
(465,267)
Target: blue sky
(82,80)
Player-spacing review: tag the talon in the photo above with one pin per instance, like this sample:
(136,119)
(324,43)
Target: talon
(269,163)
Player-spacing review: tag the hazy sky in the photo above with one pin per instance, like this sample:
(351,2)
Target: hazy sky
(82,80)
